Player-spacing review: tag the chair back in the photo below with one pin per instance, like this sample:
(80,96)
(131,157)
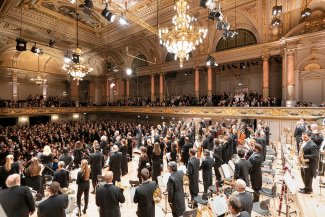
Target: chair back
(265,204)
(134,183)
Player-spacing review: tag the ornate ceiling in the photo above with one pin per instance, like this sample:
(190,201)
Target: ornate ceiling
(100,40)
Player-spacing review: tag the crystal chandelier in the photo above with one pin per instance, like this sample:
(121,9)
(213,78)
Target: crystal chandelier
(38,79)
(182,38)
(73,64)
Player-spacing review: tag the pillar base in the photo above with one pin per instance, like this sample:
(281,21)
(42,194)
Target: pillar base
(209,96)
(290,103)
(197,94)
(161,97)
(266,93)
(152,98)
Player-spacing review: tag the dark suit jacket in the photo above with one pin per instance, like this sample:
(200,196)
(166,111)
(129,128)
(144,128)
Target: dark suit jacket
(218,156)
(246,200)
(114,164)
(244,214)
(185,150)
(62,177)
(96,162)
(54,206)
(193,174)
(262,142)
(311,152)
(17,201)
(176,196)
(242,170)
(108,198)
(256,171)
(144,197)
(206,166)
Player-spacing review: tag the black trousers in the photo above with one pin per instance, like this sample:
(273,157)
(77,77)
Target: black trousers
(83,188)
(307,177)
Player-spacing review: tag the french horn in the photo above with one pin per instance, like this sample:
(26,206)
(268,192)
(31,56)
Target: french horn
(121,186)
(204,211)
(157,195)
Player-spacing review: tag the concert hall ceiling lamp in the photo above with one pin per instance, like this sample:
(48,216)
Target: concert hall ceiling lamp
(207,4)
(211,61)
(277,9)
(108,14)
(36,50)
(123,21)
(75,68)
(88,4)
(183,36)
(20,44)
(38,79)
(129,71)
(276,21)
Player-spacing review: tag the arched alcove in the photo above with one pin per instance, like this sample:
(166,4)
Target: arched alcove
(243,38)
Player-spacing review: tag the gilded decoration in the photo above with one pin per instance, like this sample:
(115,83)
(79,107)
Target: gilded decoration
(265,113)
(312,67)
(314,23)
(251,9)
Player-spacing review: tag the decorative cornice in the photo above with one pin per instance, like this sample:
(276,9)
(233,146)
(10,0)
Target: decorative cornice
(224,112)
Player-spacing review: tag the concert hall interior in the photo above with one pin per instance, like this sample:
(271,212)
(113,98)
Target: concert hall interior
(171,108)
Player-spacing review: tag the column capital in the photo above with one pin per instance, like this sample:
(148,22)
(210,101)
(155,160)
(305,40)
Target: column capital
(265,57)
(290,52)
(14,74)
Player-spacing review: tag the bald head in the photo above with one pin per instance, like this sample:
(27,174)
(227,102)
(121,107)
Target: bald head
(240,185)
(13,180)
(108,176)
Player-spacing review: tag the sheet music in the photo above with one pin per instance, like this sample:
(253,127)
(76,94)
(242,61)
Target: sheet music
(232,165)
(289,181)
(226,171)
(218,205)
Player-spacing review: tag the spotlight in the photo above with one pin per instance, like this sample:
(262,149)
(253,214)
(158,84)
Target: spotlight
(20,44)
(203,3)
(242,65)
(88,4)
(75,58)
(276,21)
(36,50)
(67,58)
(276,10)
(129,71)
(51,43)
(123,21)
(211,61)
(305,12)
(228,34)
(223,26)
(215,15)
(108,14)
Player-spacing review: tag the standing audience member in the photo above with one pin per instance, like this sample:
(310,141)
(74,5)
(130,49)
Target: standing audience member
(109,197)
(144,196)
(83,185)
(16,200)
(175,190)
(55,205)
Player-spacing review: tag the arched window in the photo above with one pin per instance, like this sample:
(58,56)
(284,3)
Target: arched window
(171,57)
(139,63)
(243,38)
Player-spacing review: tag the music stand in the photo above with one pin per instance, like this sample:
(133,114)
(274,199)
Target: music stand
(226,172)
(218,205)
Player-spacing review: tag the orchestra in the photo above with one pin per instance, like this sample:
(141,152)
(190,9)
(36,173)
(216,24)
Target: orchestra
(80,162)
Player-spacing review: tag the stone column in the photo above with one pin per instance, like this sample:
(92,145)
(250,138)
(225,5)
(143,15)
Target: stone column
(161,86)
(152,91)
(266,76)
(284,78)
(209,89)
(117,89)
(127,87)
(44,88)
(291,101)
(197,83)
(98,92)
(14,86)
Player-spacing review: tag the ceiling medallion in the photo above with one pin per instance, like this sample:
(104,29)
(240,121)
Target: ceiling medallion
(182,37)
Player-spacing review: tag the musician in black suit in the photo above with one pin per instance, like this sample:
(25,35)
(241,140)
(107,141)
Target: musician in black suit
(260,139)
(245,197)
(109,197)
(311,152)
(176,196)
(217,154)
(96,162)
(144,196)
(234,207)
(16,200)
(115,163)
(185,151)
(103,145)
(206,167)
(66,157)
(193,173)
(256,172)
(55,205)
(298,133)
(62,176)
(138,135)
(242,167)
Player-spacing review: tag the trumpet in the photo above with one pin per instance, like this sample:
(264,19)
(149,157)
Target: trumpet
(121,186)
(157,195)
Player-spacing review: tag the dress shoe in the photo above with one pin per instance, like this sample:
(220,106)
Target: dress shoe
(84,211)
(305,191)
(302,189)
